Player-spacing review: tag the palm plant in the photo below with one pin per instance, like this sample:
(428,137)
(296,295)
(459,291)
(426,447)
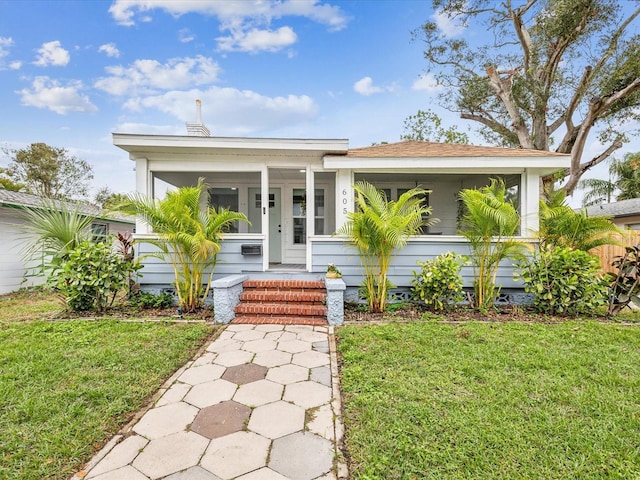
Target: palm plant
(489,222)
(624,178)
(561,226)
(378,228)
(53,231)
(189,237)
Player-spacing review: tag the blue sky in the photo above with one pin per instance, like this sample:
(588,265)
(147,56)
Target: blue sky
(71,73)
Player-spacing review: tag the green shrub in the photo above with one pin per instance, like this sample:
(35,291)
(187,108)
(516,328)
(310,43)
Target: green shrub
(149,300)
(564,281)
(439,282)
(91,276)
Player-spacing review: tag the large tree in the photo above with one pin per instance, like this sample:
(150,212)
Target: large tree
(48,171)
(547,75)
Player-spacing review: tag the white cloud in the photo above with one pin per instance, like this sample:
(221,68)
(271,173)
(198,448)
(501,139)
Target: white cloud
(110,49)
(124,11)
(229,111)
(427,83)
(62,99)
(258,40)
(52,53)
(5,44)
(148,76)
(365,86)
(248,21)
(185,35)
(449,26)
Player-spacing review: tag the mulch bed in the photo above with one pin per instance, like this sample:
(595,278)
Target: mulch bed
(357,314)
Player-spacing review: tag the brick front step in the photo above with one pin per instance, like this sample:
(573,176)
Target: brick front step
(305,296)
(315,321)
(284,309)
(284,302)
(284,285)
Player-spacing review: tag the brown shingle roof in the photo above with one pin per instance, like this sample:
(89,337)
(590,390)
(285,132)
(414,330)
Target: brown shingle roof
(416,149)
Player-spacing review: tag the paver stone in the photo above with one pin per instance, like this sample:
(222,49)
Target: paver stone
(174,394)
(124,473)
(321,375)
(165,420)
(286,374)
(201,374)
(237,357)
(263,474)
(171,454)
(290,456)
(193,473)
(121,455)
(307,394)
(258,393)
(247,373)
(210,393)
(221,419)
(321,421)
(294,346)
(257,346)
(248,335)
(236,454)
(272,358)
(277,419)
(310,359)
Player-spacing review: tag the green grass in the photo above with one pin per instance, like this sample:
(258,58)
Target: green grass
(492,400)
(67,386)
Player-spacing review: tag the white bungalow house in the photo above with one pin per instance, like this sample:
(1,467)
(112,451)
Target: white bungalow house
(298,192)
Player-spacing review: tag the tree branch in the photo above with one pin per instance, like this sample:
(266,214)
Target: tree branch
(518,124)
(574,177)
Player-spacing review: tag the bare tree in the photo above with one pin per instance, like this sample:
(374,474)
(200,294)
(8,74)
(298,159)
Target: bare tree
(549,74)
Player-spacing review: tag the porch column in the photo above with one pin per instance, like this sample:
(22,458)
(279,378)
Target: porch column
(530,203)
(264,200)
(344,196)
(144,186)
(311,214)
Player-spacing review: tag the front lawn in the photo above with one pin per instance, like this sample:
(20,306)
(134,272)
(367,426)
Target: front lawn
(67,385)
(491,400)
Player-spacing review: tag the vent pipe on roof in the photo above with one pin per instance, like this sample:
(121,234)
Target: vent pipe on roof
(198,129)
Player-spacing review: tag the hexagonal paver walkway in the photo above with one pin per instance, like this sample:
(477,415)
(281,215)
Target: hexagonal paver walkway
(260,403)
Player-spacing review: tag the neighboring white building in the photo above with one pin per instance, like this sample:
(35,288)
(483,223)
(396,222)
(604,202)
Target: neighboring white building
(13,270)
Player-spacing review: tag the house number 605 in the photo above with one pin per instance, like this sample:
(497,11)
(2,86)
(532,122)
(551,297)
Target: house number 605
(345,200)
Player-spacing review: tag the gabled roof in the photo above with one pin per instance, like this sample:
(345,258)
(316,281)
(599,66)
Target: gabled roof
(623,208)
(414,149)
(9,198)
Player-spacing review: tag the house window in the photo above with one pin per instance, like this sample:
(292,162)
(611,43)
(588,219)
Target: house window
(225,198)
(99,231)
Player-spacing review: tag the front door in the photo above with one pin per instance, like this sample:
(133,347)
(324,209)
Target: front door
(275,220)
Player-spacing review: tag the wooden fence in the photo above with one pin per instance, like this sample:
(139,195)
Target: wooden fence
(607,253)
